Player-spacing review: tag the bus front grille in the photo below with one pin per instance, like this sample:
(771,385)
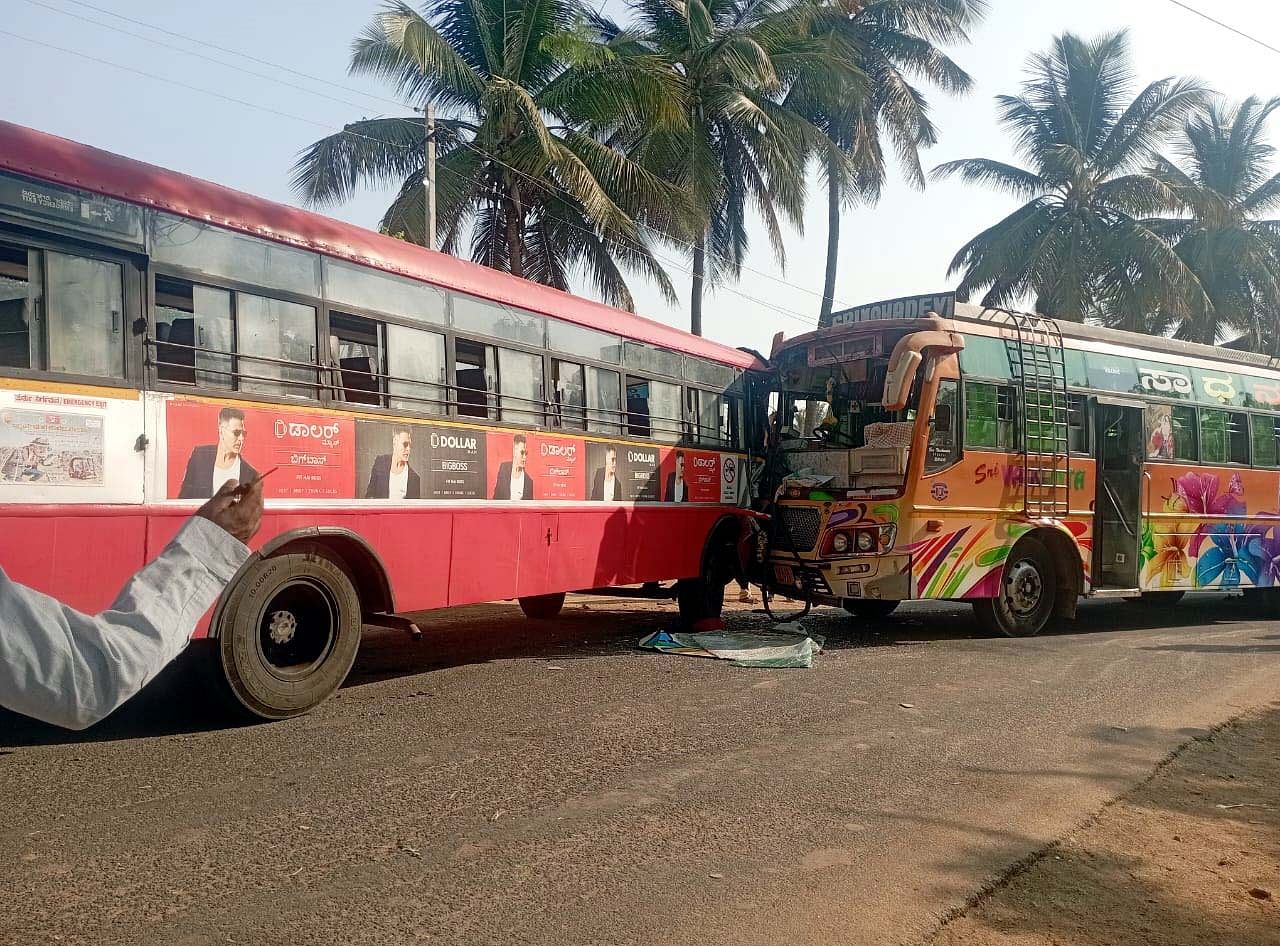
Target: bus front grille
(796,528)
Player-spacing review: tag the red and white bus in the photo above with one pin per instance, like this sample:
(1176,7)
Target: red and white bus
(445,434)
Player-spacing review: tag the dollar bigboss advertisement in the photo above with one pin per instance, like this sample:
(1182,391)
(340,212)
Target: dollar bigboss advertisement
(209,444)
(335,456)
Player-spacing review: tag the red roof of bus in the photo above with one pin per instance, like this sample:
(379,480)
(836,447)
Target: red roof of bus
(70,163)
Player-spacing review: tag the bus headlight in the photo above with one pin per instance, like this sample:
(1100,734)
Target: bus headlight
(840,543)
(866,540)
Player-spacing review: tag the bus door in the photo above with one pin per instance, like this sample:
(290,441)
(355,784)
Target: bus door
(1117,526)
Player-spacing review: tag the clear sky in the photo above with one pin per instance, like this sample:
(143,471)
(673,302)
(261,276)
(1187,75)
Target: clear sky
(901,246)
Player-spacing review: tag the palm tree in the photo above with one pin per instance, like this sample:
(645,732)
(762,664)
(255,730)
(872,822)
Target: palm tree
(528,96)
(741,149)
(1080,245)
(1224,187)
(890,43)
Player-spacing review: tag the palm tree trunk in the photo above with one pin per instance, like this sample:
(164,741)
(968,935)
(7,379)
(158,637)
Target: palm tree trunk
(833,240)
(515,232)
(699,277)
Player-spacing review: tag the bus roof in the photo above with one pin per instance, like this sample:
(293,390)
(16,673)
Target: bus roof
(1073,335)
(71,164)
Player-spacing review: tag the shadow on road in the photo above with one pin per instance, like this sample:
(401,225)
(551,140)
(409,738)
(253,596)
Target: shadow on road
(181,700)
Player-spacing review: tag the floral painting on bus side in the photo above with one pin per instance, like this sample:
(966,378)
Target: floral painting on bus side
(1186,543)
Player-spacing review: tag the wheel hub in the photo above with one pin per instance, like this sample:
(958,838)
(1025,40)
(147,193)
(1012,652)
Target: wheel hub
(1024,588)
(283,627)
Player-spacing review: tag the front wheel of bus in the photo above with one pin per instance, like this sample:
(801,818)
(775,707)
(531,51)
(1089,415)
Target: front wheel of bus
(1028,588)
(290,634)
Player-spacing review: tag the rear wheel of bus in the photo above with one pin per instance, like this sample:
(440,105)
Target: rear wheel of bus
(1028,589)
(289,635)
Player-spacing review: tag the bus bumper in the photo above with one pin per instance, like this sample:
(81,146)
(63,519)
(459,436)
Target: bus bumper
(883,577)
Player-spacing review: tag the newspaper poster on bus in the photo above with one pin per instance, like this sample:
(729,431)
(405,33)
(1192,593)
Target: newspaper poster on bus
(48,446)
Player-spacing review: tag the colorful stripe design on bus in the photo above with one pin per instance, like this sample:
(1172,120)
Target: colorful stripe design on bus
(1182,550)
(967,562)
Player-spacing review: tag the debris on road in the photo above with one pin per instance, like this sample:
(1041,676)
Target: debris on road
(785,645)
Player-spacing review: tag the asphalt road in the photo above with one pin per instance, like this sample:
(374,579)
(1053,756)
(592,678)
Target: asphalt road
(506,782)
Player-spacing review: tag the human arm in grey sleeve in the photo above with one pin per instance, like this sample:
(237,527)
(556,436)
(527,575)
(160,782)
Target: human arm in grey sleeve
(73,669)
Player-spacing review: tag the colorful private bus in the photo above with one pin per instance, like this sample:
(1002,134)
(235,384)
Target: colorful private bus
(445,434)
(926,449)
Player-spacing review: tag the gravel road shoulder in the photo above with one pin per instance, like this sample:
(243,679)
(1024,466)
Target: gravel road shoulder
(1192,856)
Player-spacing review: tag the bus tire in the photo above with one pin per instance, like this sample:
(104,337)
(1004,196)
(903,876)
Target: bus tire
(869,609)
(1028,589)
(541,607)
(289,635)
(700,599)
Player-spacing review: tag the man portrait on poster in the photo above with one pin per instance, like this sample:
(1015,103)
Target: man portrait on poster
(514,481)
(211,465)
(392,477)
(605,484)
(677,488)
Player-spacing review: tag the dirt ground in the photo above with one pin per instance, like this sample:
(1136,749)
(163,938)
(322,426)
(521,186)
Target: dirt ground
(1190,857)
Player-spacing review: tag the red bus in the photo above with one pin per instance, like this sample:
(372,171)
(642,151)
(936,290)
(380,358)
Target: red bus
(446,434)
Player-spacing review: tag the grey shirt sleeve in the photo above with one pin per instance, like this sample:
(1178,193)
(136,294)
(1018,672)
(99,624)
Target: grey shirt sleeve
(73,669)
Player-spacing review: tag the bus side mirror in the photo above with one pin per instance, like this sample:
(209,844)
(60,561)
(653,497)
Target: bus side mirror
(898,379)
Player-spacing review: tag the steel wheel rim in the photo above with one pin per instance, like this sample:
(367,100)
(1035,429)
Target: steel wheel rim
(297,629)
(1023,588)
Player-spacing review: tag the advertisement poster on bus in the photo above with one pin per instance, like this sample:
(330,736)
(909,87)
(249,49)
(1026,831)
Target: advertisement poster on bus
(641,464)
(209,444)
(50,447)
(535,466)
(418,461)
(70,448)
(690,476)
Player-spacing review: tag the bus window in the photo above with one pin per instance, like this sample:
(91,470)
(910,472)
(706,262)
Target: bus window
(500,321)
(277,346)
(476,369)
(570,339)
(1183,423)
(415,363)
(1224,437)
(730,422)
(990,421)
(355,344)
(203,248)
(519,386)
(1265,429)
(944,445)
(569,394)
(1077,424)
(704,415)
(604,400)
(653,409)
(20,341)
(85,316)
(194,334)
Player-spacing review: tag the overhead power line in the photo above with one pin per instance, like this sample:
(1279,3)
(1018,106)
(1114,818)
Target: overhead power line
(807,320)
(1226,26)
(688,245)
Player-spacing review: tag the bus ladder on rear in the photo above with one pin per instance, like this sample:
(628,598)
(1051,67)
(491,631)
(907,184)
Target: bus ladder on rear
(1037,362)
